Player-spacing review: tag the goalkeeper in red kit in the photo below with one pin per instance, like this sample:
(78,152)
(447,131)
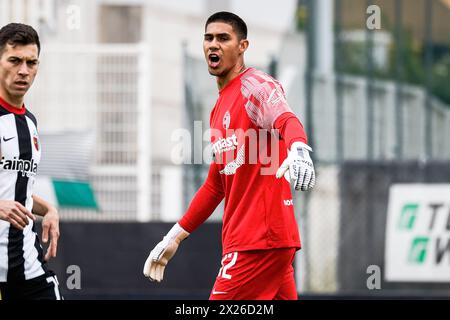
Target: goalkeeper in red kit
(259,233)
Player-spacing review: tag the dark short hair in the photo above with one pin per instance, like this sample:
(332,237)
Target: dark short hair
(232,19)
(18,33)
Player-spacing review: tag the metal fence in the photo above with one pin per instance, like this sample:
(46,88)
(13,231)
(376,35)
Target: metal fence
(100,91)
(352,142)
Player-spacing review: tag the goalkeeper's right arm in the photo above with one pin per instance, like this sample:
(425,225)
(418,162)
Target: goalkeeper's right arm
(202,206)
(163,252)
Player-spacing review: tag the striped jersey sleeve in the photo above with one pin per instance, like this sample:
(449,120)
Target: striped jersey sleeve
(265,96)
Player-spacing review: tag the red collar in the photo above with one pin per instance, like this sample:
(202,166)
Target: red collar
(11,108)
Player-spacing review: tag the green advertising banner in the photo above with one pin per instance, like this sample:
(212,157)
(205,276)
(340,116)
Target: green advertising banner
(418,233)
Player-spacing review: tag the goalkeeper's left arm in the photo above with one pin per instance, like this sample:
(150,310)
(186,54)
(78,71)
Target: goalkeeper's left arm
(298,165)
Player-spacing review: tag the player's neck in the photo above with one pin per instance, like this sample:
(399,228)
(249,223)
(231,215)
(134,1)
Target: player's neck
(16,102)
(233,73)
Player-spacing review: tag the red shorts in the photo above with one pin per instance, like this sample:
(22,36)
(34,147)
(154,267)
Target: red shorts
(256,275)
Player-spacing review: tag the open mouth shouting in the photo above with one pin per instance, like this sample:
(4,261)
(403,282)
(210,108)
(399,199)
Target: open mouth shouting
(213,60)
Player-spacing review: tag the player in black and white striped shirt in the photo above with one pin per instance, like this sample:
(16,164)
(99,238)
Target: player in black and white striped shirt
(23,271)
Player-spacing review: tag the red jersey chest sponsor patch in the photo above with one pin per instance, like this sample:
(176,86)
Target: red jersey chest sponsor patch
(229,125)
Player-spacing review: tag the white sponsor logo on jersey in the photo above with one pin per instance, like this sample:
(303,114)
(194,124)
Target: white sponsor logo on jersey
(232,166)
(225,144)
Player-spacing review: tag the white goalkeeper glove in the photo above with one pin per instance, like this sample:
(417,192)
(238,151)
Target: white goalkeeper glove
(164,251)
(299,166)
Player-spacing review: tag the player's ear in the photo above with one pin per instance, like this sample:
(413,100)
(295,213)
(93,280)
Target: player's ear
(243,45)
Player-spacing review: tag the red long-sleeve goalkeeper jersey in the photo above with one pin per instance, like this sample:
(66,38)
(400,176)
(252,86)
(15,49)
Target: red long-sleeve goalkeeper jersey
(247,152)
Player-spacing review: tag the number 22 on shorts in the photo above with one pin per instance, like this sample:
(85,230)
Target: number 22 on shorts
(223,270)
